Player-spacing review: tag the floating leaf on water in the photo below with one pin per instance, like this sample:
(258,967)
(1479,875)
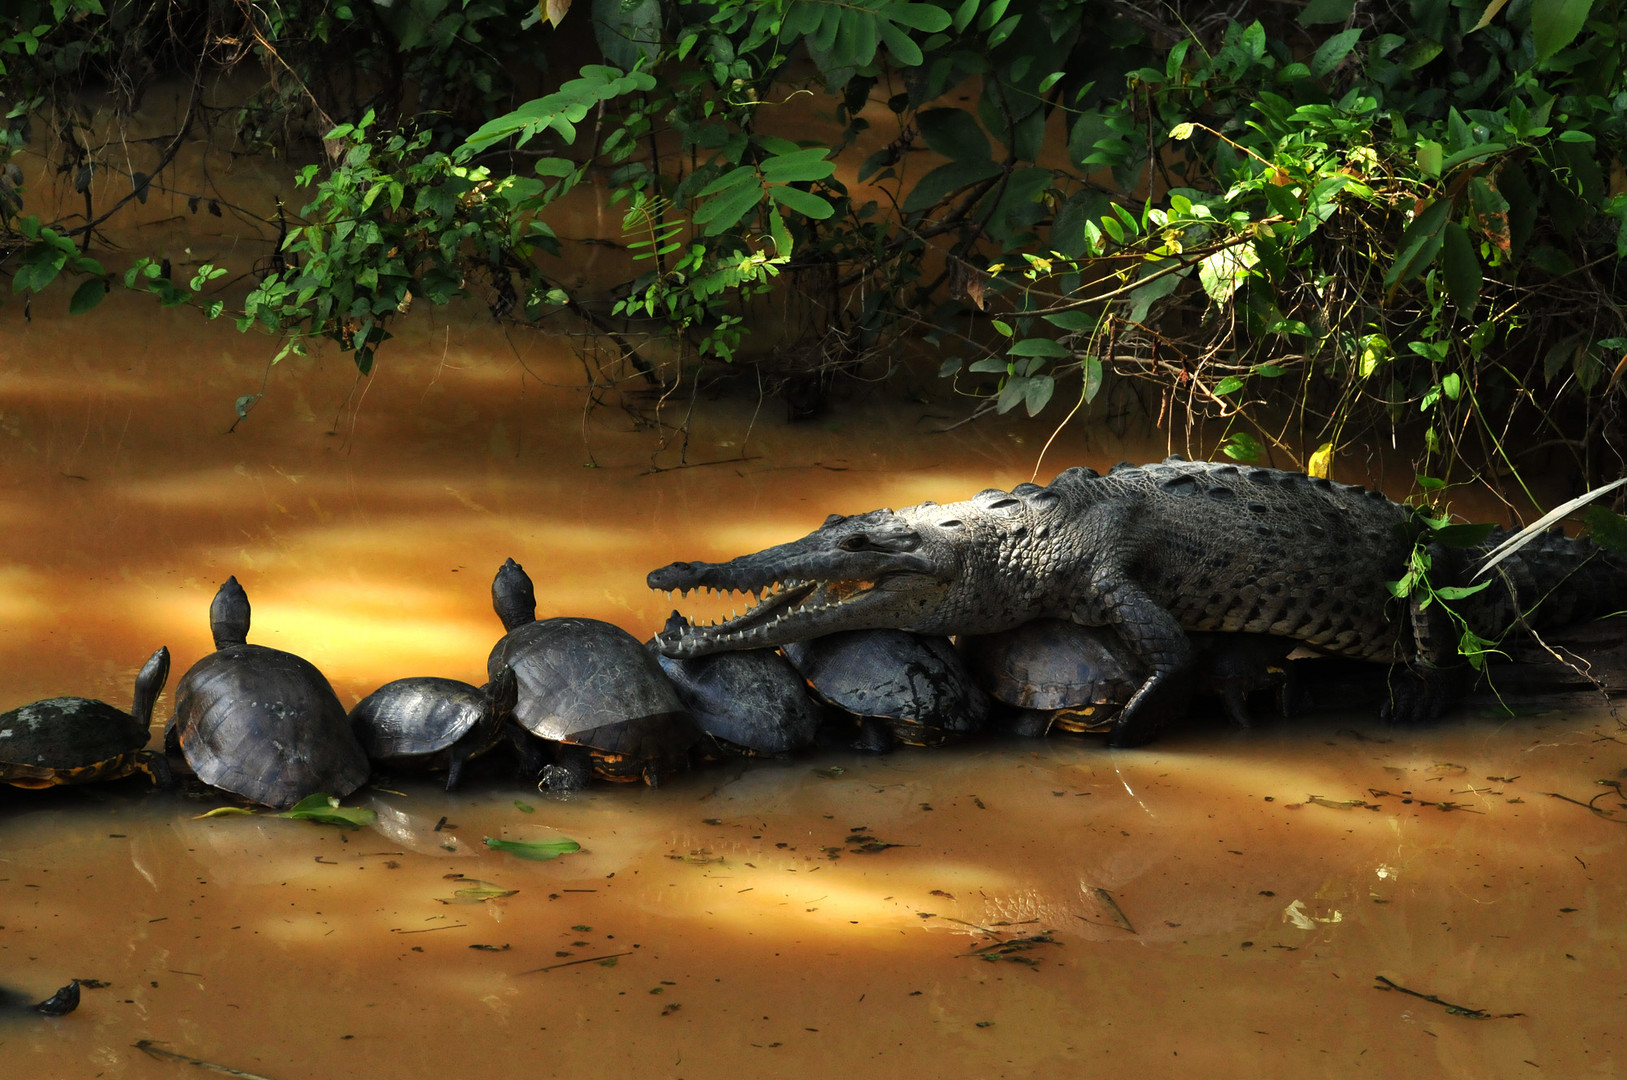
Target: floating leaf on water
(1340,804)
(475,891)
(524,808)
(1295,913)
(224,811)
(326,809)
(538,850)
(491,948)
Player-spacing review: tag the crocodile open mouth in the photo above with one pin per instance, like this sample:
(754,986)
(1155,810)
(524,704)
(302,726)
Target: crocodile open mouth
(781,611)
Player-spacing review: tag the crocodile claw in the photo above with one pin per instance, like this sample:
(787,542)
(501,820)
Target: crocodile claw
(1161,699)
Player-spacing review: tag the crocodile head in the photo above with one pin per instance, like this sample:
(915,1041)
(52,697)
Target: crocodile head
(869,571)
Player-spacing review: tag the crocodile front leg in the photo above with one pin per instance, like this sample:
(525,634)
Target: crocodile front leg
(1158,639)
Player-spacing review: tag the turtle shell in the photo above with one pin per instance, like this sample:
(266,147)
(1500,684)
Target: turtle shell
(1078,677)
(75,740)
(590,683)
(1055,673)
(751,702)
(916,684)
(265,724)
(428,722)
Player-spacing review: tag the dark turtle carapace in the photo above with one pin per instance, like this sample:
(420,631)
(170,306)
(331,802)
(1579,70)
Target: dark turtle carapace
(914,685)
(434,724)
(260,722)
(588,687)
(1053,674)
(751,702)
(75,740)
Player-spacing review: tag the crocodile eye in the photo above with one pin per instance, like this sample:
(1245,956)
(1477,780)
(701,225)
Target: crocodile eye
(856,542)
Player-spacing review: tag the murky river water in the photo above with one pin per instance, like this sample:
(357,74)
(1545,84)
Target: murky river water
(1050,908)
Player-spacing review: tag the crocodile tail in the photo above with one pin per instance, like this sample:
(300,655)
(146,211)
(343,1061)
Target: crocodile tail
(1552,581)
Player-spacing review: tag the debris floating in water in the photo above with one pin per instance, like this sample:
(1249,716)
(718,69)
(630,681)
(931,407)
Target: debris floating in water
(61,1003)
(152,1050)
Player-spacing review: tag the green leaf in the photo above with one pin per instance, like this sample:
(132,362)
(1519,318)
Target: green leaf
(802,202)
(946,179)
(1038,393)
(1093,377)
(537,850)
(954,133)
(1332,51)
(88,295)
(1037,347)
(1429,157)
(1222,271)
(1555,24)
(1420,243)
(1241,446)
(326,809)
(927,17)
(1229,385)
(799,166)
(900,44)
(732,179)
(1462,267)
(726,210)
(1072,320)
(1458,592)
(1465,535)
(1607,528)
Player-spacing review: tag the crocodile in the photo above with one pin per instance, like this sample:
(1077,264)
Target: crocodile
(1155,552)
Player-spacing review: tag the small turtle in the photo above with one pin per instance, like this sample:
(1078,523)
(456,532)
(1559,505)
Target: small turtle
(260,722)
(432,724)
(74,740)
(1052,673)
(591,688)
(915,685)
(750,702)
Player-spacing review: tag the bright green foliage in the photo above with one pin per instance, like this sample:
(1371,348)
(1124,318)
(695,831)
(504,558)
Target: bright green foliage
(1403,222)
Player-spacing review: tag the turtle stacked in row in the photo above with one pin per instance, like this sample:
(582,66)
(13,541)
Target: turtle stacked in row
(582,699)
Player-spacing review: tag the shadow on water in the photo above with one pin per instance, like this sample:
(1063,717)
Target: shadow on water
(1222,903)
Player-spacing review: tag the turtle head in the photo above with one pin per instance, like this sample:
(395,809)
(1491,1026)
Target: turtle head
(149,684)
(229,615)
(513,597)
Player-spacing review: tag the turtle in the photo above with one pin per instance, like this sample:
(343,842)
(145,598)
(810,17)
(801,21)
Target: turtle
(433,723)
(1056,673)
(751,702)
(260,722)
(75,740)
(590,688)
(915,685)
(1053,673)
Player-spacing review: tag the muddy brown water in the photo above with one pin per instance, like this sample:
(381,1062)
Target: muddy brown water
(1213,905)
